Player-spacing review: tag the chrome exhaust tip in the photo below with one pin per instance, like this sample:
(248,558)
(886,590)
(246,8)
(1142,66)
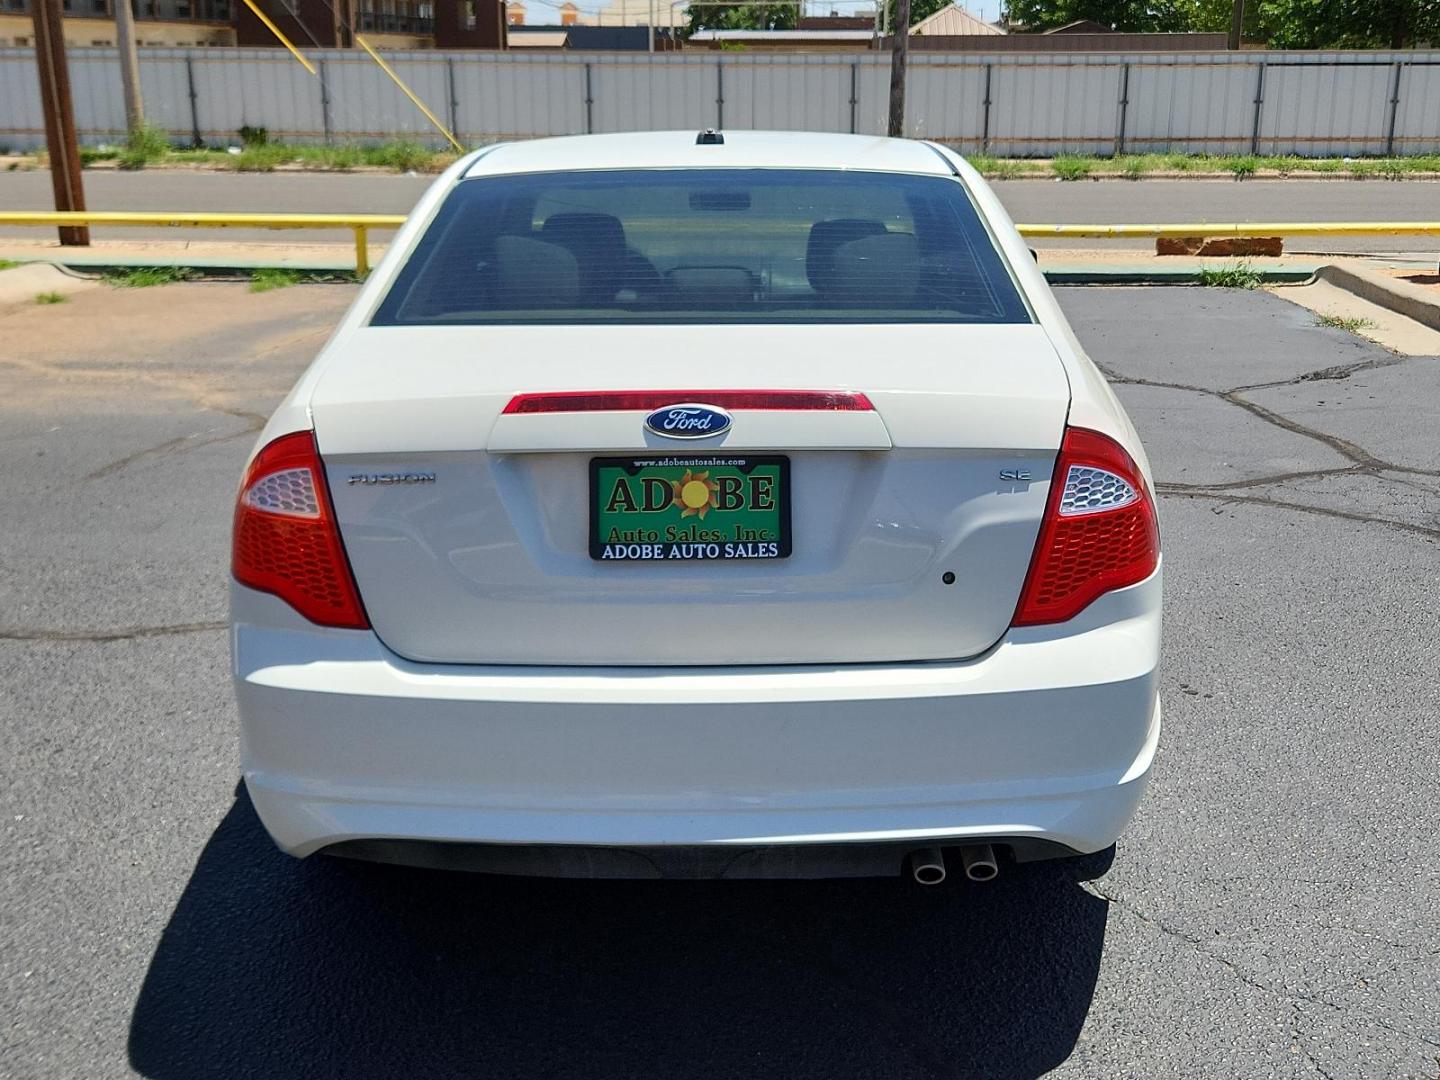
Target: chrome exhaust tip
(979,862)
(927,866)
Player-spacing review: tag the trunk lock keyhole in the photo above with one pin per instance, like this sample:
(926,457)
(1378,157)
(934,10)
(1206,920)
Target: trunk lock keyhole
(948,577)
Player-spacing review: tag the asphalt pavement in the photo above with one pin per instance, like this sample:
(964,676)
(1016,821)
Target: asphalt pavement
(1038,201)
(1270,913)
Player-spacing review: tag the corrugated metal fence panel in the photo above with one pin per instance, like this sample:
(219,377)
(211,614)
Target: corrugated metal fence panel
(22,125)
(1315,110)
(796,92)
(515,96)
(946,101)
(1196,107)
(663,93)
(1417,117)
(1044,106)
(1040,104)
(267,89)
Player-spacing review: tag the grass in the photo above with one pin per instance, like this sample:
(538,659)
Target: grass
(993,168)
(8,264)
(1242,166)
(144,146)
(1237,276)
(143,277)
(1341,322)
(1072,166)
(50,298)
(273,277)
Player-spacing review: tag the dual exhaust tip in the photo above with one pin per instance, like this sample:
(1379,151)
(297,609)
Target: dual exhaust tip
(927,865)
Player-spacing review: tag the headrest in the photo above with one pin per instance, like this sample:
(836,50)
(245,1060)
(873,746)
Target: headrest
(878,271)
(532,274)
(825,237)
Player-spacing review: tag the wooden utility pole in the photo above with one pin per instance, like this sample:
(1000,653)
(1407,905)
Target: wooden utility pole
(1237,24)
(899,56)
(129,65)
(59,110)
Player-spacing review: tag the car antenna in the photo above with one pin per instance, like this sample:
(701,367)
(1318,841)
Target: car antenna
(709,137)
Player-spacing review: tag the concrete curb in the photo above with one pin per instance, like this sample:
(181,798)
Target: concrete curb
(1401,297)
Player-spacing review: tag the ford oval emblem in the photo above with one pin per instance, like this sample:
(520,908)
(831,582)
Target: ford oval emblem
(688,421)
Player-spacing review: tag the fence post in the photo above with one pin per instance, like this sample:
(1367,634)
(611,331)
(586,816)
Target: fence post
(1394,110)
(719,96)
(454,100)
(195,138)
(1124,108)
(589,104)
(1259,105)
(854,83)
(985,124)
(325,104)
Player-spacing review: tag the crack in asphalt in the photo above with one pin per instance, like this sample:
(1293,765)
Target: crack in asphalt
(1290,996)
(184,444)
(126,633)
(1362,461)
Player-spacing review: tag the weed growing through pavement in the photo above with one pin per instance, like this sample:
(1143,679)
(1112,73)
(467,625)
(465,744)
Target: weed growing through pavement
(142,277)
(1352,324)
(273,277)
(1237,276)
(50,298)
(1072,166)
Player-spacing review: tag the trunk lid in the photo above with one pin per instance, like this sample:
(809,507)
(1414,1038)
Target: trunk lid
(468,529)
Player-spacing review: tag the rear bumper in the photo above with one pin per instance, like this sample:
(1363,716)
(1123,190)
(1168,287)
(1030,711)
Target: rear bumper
(1048,737)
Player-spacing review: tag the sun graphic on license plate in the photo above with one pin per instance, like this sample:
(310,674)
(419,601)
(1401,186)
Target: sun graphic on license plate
(694,493)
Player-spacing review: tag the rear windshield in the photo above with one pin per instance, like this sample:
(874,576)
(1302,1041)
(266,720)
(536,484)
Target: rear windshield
(704,246)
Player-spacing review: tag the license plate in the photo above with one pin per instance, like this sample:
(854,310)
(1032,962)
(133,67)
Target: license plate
(682,508)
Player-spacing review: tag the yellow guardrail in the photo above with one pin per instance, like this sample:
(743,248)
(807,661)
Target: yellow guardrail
(1243,228)
(361,224)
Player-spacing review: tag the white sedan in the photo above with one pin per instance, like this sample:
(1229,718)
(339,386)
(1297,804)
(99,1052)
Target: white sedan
(724,504)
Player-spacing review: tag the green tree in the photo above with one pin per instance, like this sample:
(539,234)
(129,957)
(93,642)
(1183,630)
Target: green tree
(1345,24)
(1133,16)
(740,17)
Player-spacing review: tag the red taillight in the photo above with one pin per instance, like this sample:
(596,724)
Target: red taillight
(625,400)
(1099,532)
(285,539)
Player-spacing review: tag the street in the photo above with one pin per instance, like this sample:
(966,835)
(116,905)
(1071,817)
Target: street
(1039,201)
(1271,912)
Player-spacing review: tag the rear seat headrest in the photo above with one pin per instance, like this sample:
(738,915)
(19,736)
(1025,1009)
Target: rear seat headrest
(590,232)
(825,237)
(532,273)
(878,271)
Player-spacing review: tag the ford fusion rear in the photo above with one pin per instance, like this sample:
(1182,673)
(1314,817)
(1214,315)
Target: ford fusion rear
(735,508)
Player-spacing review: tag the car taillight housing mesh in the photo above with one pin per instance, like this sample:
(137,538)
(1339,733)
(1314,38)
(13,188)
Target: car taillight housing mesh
(285,538)
(1099,531)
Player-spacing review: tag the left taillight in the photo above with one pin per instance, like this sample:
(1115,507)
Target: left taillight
(285,540)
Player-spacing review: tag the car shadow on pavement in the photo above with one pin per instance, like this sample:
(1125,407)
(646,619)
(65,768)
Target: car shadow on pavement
(281,969)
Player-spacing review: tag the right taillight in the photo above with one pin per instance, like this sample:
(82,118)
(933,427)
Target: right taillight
(1099,531)
(286,540)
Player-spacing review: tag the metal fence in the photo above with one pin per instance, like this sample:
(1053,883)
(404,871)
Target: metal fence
(1307,103)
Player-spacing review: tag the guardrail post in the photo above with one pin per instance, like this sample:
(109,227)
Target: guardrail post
(1394,110)
(362,252)
(1259,105)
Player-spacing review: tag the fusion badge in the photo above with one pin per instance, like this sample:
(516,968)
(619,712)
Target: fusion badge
(688,421)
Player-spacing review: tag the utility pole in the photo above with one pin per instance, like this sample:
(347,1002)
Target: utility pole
(59,110)
(1237,24)
(899,56)
(129,65)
